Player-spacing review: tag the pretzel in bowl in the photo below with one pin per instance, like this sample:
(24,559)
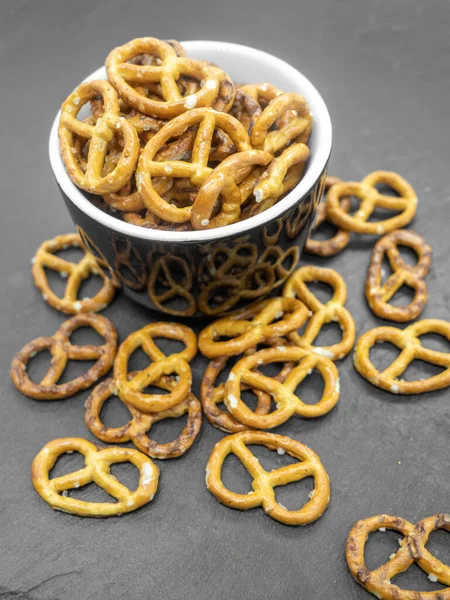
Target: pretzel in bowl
(405,203)
(124,75)
(100,135)
(408,342)
(264,482)
(247,327)
(332,311)
(131,390)
(137,429)
(223,182)
(97,470)
(245,373)
(46,258)
(197,170)
(335,244)
(63,351)
(378,295)
(412,550)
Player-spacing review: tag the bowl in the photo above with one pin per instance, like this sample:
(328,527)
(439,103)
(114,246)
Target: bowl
(214,271)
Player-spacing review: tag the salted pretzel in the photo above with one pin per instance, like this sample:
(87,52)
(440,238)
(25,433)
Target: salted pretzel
(378,295)
(264,138)
(270,185)
(123,74)
(223,182)
(63,351)
(282,393)
(371,199)
(128,262)
(97,470)
(137,429)
(340,239)
(46,258)
(197,170)
(408,341)
(262,93)
(412,550)
(176,283)
(245,109)
(131,390)
(264,482)
(331,311)
(109,125)
(251,325)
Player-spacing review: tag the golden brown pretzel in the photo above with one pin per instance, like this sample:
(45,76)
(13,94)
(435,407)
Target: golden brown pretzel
(97,470)
(197,170)
(122,74)
(412,550)
(340,240)
(282,393)
(76,273)
(271,183)
(378,295)
(131,390)
(264,138)
(371,199)
(332,311)
(176,282)
(262,93)
(136,430)
(109,125)
(408,341)
(264,482)
(247,327)
(245,109)
(223,182)
(62,351)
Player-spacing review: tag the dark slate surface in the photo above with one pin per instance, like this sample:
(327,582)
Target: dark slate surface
(384,69)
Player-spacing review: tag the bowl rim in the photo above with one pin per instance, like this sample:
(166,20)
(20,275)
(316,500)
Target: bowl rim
(312,174)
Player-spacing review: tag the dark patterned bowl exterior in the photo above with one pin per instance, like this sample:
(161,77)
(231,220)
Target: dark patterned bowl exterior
(202,279)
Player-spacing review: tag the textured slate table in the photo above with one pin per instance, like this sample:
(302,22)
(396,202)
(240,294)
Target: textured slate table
(384,69)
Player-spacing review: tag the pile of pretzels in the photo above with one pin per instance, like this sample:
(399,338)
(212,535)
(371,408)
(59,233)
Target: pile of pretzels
(171,143)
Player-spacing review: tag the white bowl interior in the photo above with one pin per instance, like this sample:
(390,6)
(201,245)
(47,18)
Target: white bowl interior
(244,65)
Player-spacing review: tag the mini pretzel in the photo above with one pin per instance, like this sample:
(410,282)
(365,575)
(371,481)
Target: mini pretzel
(62,351)
(412,550)
(223,182)
(263,138)
(282,393)
(97,470)
(262,93)
(75,273)
(332,311)
(122,74)
(177,282)
(378,295)
(264,482)
(130,390)
(408,341)
(247,327)
(270,185)
(136,430)
(245,109)
(100,135)
(340,240)
(197,170)
(371,199)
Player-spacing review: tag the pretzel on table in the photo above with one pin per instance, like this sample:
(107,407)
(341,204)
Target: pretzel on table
(264,482)
(371,198)
(177,364)
(109,125)
(46,258)
(408,342)
(331,311)
(378,295)
(137,429)
(63,351)
(97,469)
